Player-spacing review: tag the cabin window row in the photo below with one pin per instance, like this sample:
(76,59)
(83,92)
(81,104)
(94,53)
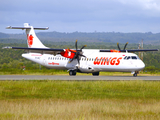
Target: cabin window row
(57,58)
(82,59)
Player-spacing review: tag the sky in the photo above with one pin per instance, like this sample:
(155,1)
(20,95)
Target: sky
(82,15)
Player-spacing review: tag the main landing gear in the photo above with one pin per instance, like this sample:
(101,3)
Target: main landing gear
(72,73)
(95,74)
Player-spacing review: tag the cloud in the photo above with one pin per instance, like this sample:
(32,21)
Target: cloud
(148,7)
(83,15)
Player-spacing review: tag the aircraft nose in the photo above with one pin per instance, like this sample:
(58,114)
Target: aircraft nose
(141,65)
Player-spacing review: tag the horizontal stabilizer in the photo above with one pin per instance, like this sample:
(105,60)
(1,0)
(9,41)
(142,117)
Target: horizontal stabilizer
(28,27)
(7,47)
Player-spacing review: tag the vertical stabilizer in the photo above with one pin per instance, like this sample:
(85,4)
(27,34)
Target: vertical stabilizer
(32,39)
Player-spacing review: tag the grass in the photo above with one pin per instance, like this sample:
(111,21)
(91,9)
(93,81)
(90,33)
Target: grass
(79,100)
(77,90)
(13,71)
(45,71)
(79,109)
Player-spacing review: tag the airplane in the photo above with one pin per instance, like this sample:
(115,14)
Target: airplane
(80,60)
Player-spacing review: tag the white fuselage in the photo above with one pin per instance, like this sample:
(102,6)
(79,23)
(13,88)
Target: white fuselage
(96,61)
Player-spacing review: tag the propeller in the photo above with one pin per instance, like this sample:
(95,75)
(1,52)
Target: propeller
(118,46)
(78,53)
(124,46)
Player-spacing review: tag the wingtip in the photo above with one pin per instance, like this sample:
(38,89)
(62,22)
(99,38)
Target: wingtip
(8,27)
(7,47)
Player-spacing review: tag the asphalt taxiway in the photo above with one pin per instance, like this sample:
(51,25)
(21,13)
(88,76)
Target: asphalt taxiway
(66,77)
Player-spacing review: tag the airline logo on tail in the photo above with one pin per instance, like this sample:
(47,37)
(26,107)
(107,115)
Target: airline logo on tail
(30,40)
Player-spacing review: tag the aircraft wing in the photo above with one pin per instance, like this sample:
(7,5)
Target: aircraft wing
(41,50)
(134,50)
(38,50)
(55,51)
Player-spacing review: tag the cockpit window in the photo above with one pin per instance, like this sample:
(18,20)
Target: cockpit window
(128,57)
(134,57)
(131,57)
(125,57)
(138,58)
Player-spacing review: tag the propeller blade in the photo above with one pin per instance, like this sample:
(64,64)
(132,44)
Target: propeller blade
(82,55)
(78,60)
(118,46)
(71,60)
(83,46)
(125,46)
(76,44)
(77,54)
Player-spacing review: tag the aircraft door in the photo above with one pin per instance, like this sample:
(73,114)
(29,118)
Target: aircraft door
(44,60)
(85,65)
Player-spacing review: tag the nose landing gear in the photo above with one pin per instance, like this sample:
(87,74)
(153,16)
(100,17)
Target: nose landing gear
(135,73)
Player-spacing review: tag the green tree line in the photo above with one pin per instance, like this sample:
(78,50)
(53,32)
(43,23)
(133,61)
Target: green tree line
(149,37)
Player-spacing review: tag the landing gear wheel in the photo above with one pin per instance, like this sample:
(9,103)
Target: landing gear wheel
(135,75)
(72,72)
(95,74)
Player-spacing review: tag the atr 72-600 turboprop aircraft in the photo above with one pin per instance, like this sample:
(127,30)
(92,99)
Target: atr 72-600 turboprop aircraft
(80,60)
